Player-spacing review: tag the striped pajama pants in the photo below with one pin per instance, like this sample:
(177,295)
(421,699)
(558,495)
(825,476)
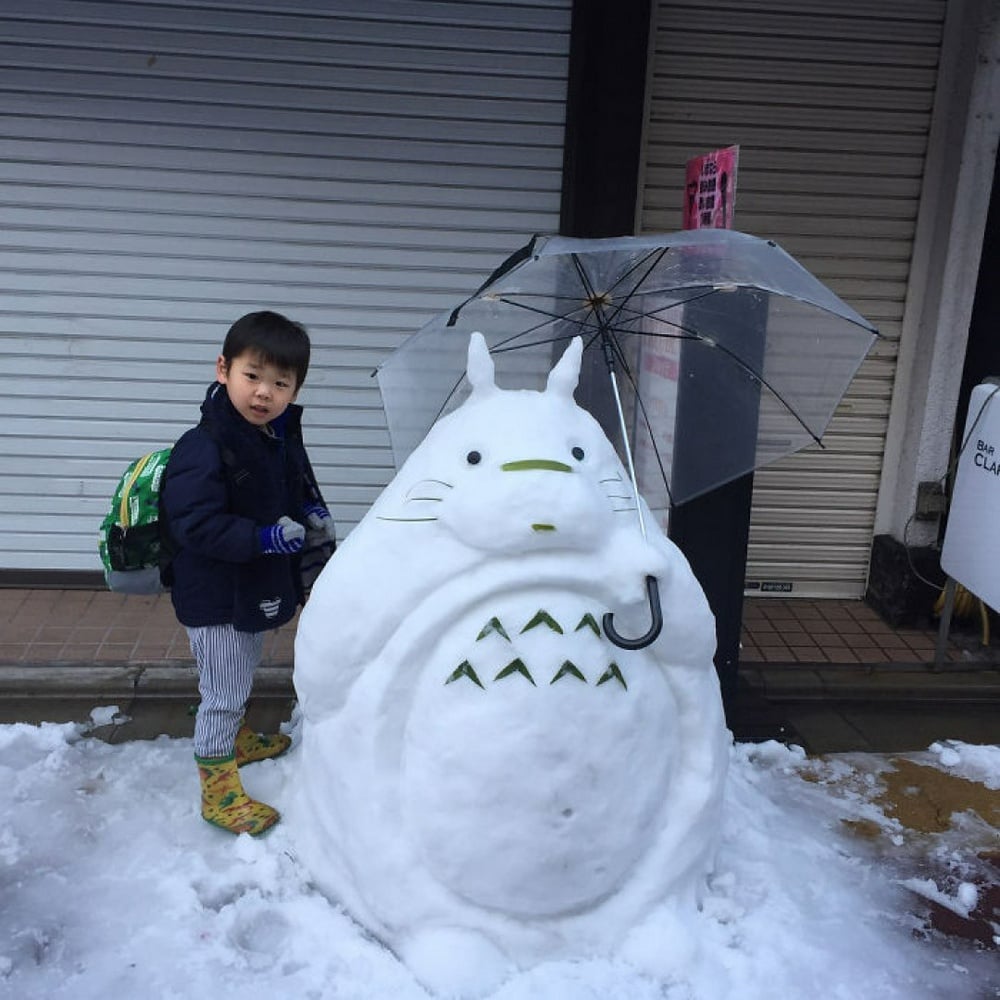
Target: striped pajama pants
(226,662)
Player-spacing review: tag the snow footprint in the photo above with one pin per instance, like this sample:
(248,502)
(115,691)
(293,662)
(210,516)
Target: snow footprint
(260,935)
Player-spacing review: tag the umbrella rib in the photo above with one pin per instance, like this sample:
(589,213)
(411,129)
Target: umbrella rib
(740,363)
(617,348)
(549,316)
(559,339)
(509,344)
(589,287)
(513,261)
(659,254)
(684,333)
(688,333)
(635,288)
(581,272)
(448,398)
(515,341)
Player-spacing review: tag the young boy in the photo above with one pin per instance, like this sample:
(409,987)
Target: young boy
(238,493)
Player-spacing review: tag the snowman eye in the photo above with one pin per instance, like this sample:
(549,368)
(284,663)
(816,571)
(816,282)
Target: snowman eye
(578,453)
(473,458)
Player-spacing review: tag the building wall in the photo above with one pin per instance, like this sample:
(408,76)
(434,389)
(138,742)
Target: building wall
(958,183)
(831,106)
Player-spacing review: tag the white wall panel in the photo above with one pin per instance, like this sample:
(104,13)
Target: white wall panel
(166,167)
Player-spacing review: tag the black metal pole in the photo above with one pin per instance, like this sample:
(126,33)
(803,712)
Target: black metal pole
(713,530)
(602,148)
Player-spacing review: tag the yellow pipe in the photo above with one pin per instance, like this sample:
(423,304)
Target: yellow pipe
(965,605)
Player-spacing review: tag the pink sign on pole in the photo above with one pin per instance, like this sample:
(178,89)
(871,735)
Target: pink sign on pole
(710,189)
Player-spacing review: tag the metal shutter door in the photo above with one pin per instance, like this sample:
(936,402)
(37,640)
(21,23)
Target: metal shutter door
(166,167)
(830,105)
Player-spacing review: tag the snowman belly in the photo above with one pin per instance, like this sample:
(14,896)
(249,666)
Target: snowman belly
(537,756)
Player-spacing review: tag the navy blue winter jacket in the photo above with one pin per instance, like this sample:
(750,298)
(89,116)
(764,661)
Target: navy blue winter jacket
(214,507)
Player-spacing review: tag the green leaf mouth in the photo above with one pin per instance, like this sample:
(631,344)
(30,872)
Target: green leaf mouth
(544,464)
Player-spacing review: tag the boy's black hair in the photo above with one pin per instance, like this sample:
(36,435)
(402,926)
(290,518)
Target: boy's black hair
(278,340)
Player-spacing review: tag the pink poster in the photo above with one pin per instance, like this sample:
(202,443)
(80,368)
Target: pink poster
(710,189)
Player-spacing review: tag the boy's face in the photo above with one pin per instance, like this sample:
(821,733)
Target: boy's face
(260,392)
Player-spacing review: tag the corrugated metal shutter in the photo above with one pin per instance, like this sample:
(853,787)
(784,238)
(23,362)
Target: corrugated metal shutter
(830,105)
(166,167)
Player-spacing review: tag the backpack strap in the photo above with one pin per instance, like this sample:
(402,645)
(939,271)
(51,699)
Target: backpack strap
(236,476)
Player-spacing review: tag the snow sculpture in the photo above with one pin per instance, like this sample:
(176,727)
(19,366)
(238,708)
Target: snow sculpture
(484,780)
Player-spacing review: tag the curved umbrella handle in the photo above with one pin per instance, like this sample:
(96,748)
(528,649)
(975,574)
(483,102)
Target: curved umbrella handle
(653,593)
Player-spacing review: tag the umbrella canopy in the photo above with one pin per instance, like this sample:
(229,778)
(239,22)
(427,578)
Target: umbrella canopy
(729,353)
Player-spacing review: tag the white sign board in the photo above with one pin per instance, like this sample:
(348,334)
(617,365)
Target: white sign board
(971,552)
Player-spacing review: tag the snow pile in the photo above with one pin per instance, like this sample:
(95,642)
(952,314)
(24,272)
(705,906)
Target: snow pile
(112,885)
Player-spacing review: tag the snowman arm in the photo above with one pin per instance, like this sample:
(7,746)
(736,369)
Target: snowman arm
(366,589)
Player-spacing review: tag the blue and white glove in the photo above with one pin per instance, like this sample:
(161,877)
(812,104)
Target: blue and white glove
(318,517)
(282,538)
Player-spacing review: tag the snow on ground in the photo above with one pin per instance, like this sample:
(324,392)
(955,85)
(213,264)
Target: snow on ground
(112,885)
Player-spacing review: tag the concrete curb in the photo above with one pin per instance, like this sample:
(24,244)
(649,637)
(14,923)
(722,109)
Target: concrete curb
(774,681)
(126,680)
(906,683)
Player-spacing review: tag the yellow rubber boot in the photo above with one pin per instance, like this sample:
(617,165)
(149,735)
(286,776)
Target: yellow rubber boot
(224,803)
(251,746)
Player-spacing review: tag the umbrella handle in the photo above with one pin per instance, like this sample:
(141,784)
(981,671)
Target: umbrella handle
(653,593)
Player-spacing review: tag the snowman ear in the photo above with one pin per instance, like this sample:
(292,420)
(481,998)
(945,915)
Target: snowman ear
(481,370)
(566,374)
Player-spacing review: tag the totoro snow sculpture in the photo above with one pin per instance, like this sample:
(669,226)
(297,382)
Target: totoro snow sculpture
(484,780)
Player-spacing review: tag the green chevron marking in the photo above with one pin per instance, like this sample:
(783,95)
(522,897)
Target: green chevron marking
(543,618)
(568,669)
(464,669)
(515,667)
(613,672)
(493,625)
(589,621)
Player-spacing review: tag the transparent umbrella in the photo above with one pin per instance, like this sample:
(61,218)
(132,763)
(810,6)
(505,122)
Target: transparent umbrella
(718,353)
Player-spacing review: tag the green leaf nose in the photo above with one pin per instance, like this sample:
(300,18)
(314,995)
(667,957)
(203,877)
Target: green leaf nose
(545,464)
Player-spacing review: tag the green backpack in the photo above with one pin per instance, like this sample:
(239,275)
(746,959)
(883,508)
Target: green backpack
(135,546)
(131,545)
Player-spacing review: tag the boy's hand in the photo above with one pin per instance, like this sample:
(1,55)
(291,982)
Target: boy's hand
(282,538)
(317,516)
